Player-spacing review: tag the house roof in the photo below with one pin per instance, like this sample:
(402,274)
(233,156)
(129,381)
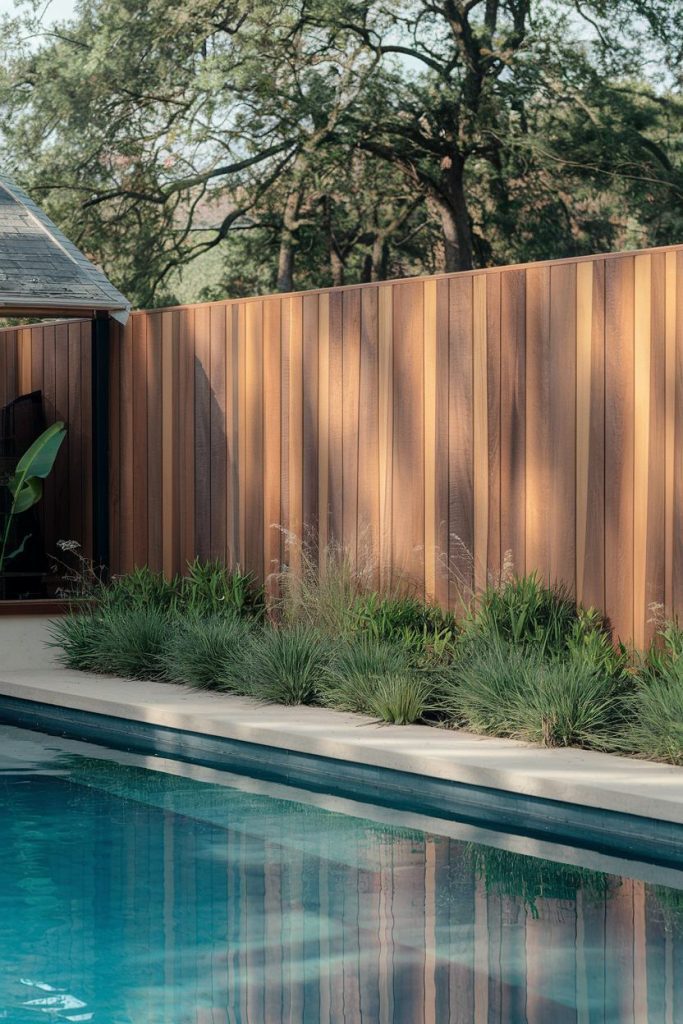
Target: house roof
(41,271)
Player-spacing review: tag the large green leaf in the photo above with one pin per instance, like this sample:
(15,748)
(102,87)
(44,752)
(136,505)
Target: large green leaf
(39,459)
(33,466)
(30,493)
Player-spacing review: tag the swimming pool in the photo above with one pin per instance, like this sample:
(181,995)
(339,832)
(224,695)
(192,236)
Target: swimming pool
(131,895)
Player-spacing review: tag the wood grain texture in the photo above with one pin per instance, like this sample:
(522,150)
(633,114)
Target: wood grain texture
(350,419)
(677,512)
(385,389)
(408,432)
(670,426)
(253,451)
(155,555)
(561,524)
(480,442)
(513,418)
(323,427)
(368,434)
(438,423)
(539,470)
(590,433)
(218,444)
(272,422)
(619,440)
(295,433)
(430,387)
(460,441)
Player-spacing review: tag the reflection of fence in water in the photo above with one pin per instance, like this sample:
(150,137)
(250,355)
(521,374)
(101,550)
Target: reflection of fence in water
(380,929)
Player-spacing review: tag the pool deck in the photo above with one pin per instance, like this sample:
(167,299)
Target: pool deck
(577,777)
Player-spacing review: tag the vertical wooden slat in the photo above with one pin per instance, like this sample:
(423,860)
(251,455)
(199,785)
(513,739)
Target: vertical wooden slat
(590,433)
(653,575)
(670,424)
(441,462)
(368,433)
(241,399)
(619,495)
(24,360)
(430,449)
(385,321)
(323,426)
(140,451)
(74,525)
(309,499)
(408,448)
(60,475)
(114,446)
(480,458)
(218,432)
(538,451)
(677,551)
(232,413)
(126,553)
(271,438)
(335,450)
(513,419)
(562,424)
(460,440)
(202,432)
(295,413)
(493,398)
(86,434)
(169,341)
(186,427)
(154,444)
(641,445)
(253,553)
(350,416)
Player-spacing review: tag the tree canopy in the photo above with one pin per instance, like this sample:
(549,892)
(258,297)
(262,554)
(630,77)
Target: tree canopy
(235,146)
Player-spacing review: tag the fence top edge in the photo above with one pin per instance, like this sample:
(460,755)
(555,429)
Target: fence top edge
(335,289)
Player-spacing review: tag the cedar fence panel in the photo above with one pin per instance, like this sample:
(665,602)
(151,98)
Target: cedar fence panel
(441,426)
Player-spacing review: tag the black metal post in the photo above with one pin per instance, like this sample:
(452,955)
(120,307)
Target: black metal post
(100,439)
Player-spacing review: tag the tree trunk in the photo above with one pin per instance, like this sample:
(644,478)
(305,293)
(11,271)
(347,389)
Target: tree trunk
(379,258)
(290,224)
(455,221)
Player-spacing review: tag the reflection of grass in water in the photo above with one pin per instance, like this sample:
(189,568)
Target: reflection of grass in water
(670,904)
(515,875)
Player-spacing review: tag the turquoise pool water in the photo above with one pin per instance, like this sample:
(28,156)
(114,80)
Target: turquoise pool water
(132,896)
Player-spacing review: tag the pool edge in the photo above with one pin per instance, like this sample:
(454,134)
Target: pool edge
(630,836)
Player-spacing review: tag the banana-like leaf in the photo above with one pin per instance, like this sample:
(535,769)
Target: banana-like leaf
(34,465)
(28,495)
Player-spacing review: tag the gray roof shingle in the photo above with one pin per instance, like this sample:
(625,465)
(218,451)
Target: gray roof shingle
(40,267)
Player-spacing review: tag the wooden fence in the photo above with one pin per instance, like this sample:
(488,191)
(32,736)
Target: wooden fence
(441,422)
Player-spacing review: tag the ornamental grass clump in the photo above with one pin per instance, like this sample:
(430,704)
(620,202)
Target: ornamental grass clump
(377,678)
(401,698)
(502,690)
(205,652)
(282,665)
(353,670)
(117,641)
(654,708)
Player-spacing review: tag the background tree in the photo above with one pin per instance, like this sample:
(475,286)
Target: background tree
(246,145)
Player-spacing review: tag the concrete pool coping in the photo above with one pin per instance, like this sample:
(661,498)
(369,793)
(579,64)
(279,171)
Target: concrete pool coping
(580,778)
